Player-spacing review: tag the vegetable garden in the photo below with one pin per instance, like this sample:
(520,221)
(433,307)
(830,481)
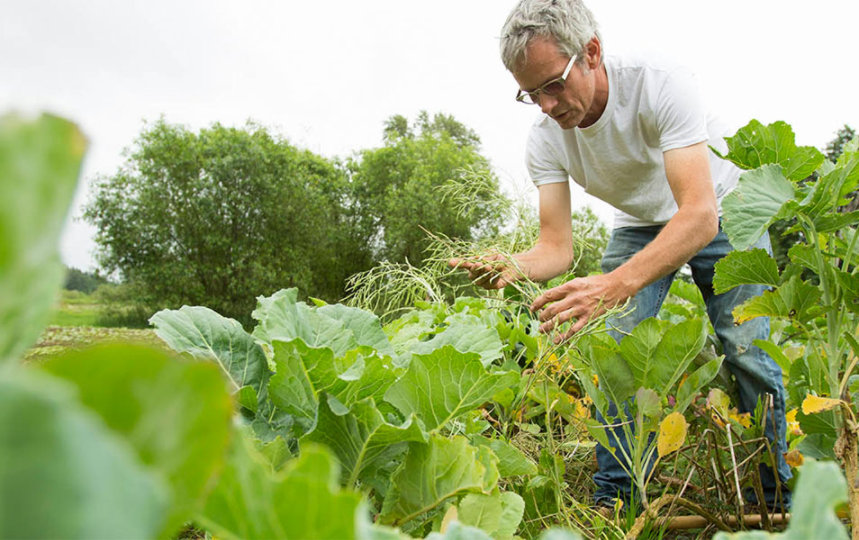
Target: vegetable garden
(446,420)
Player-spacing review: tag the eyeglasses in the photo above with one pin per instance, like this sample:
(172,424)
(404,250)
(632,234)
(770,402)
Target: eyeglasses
(552,88)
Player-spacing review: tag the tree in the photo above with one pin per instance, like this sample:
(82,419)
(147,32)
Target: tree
(836,146)
(590,238)
(220,216)
(399,189)
(85,282)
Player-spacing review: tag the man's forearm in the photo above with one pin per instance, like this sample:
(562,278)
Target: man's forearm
(689,231)
(545,261)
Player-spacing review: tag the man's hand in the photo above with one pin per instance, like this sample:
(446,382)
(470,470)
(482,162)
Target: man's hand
(580,300)
(489,272)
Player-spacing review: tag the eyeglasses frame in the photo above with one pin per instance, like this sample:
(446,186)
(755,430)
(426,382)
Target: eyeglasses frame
(534,95)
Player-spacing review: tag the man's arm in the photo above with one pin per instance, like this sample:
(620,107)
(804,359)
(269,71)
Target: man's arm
(551,255)
(694,225)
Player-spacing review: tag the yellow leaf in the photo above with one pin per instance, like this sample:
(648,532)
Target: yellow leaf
(581,409)
(794,458)
(672,434)
(815,404)
(792,424)
(744,419)
(451,515)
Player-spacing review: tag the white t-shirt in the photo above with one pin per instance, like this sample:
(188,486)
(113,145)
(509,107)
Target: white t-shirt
(652,107)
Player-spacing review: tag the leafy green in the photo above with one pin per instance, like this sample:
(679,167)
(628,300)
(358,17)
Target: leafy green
(39,165)
(639,348)
(444,384)
(755,145)
(754,267)
(434,472)
(205,334)
(175,415)
(302,501)
(64,473)
(795,299)
(466,333)
(361,438)
(339,328)
(511,461)
(498,514)
(754,205)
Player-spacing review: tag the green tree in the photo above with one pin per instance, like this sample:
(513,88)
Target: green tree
(835,147)
(86,282)
(220,216)
(399,189)
(590,238)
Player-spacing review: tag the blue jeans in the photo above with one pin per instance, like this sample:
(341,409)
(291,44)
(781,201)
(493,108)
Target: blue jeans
(755,372)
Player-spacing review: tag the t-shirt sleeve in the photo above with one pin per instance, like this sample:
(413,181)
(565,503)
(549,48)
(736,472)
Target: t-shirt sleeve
(543,165)
(680,116)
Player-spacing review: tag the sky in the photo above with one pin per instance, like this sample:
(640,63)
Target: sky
(326,75)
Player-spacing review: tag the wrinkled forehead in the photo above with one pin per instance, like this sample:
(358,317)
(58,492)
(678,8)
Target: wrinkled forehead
(541,62)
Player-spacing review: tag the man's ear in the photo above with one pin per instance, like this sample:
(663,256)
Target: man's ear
(593,53)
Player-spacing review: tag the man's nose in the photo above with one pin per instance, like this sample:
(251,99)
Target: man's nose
(547,103)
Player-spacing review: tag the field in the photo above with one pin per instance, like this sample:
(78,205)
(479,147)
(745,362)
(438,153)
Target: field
(74,324)
(450,417)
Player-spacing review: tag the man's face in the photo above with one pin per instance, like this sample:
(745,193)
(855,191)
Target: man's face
(575,105)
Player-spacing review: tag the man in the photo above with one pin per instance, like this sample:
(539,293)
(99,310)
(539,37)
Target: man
(634,134)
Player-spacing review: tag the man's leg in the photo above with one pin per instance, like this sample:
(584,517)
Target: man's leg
(611,480)
(756,373)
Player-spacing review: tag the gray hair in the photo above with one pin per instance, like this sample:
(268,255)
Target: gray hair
(569,22)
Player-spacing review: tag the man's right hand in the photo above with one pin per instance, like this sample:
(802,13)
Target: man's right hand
(489,271)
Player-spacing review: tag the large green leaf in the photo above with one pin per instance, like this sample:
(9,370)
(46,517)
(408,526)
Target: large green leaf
(638,349)
(408,329)
(39,166)
(828,194)
(444,384)
(282,317)
(803,255)
(291,388)
(689,388)
(365,326)
(794,299)
(754,267)
(303,372)
(615,376)
(755,145)
(302,501)
(207,335)
(680,344)
(511,461)
(435,472)
(820,489)
(64,474)
(176,415)
(466,333)
(823,423)
(361,438)
(499,514)
(754,205)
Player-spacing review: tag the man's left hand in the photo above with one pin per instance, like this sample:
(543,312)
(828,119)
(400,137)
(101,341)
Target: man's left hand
(580,300)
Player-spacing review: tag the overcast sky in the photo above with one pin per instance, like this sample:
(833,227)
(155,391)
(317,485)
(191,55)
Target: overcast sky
(326,75)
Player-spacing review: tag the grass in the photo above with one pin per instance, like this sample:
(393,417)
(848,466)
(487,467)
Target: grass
(74,308)
(75,323)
